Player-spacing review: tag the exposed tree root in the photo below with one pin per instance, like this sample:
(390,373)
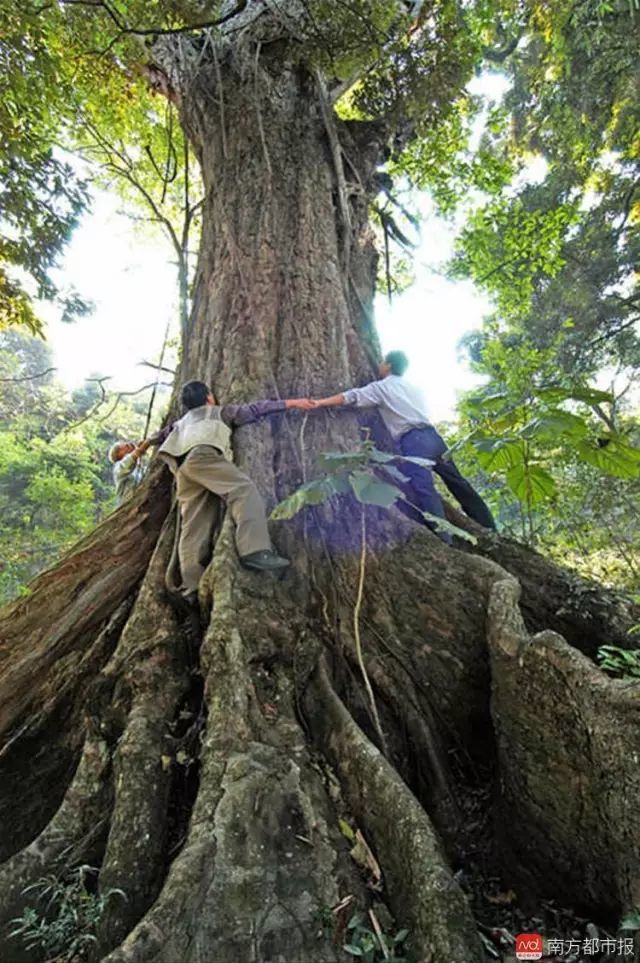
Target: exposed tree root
(52,644)
(259,856)
(38,760)
(555,598)
(148,676)
(264,856)
(419,754)
(568,743)
(76,834)
(424,628)
(422,891)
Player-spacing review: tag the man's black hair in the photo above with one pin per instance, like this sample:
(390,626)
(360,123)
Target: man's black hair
(194,394)
(397,361)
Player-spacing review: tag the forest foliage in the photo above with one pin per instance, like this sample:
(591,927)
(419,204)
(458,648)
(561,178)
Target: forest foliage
(55,478)
(541,183)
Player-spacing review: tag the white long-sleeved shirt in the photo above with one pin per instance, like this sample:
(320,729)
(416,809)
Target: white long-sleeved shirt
(400,403)
(127,475)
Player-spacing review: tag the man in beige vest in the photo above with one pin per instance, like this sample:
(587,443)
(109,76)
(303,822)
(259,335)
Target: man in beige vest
(197,449)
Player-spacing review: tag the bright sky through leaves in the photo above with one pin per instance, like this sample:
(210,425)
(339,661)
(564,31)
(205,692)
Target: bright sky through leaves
(132,283)
(133,286)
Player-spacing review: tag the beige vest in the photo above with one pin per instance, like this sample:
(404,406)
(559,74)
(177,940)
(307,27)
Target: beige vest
(200,426)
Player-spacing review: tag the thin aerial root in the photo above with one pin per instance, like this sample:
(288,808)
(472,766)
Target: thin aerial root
(422,891)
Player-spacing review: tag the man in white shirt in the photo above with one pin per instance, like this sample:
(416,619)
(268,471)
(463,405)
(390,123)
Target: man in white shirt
(403,411)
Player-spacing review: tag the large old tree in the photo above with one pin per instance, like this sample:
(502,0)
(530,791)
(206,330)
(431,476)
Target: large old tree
(205,773)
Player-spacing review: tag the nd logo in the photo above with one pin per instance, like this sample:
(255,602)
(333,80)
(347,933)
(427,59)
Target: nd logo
(529,946)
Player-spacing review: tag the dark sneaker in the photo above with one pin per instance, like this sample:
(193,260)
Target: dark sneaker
(265,561)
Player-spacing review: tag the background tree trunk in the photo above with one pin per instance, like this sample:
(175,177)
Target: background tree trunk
(213,777)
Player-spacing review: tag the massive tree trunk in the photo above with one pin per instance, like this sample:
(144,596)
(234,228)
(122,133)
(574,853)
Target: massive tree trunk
(207,776)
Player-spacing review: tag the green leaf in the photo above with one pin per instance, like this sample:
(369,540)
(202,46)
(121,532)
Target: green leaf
(313,493)
(615,458)
(590,396)
(554,423)
(346,830)
(352,949)
(483,402)
(332,460)
(340,483)
(496,454)
(531,484)
(371,491)
(382,457)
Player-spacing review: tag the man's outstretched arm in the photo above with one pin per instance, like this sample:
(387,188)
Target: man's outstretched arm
(154,441)
(236,415)
(328,402)
(366,397)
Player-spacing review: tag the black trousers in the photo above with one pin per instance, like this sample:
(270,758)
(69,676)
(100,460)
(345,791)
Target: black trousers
(427,443)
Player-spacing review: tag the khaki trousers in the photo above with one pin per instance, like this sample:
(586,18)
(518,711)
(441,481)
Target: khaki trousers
(205,470)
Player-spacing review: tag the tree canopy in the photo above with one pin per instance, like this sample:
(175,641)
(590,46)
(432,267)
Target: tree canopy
(81,77)
(554,242)
(557,245)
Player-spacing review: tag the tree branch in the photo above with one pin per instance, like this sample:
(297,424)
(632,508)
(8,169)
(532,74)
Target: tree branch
(626,207)
(612,334)
(125,29)
(498,56)
(118,398)
(40,374)
(485,277)
(158,367)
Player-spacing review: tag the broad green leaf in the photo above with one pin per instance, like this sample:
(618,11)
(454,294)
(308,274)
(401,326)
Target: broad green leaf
(313,493)
(589,396)
(531,484)
(381,456)
(553,395)
(553,424)
(340,483)
(332,460)
(371,491)
(495,454)
(508,420)
(485,402)
(616,458)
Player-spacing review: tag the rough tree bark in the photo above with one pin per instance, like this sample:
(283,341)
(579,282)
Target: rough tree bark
(207,781)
